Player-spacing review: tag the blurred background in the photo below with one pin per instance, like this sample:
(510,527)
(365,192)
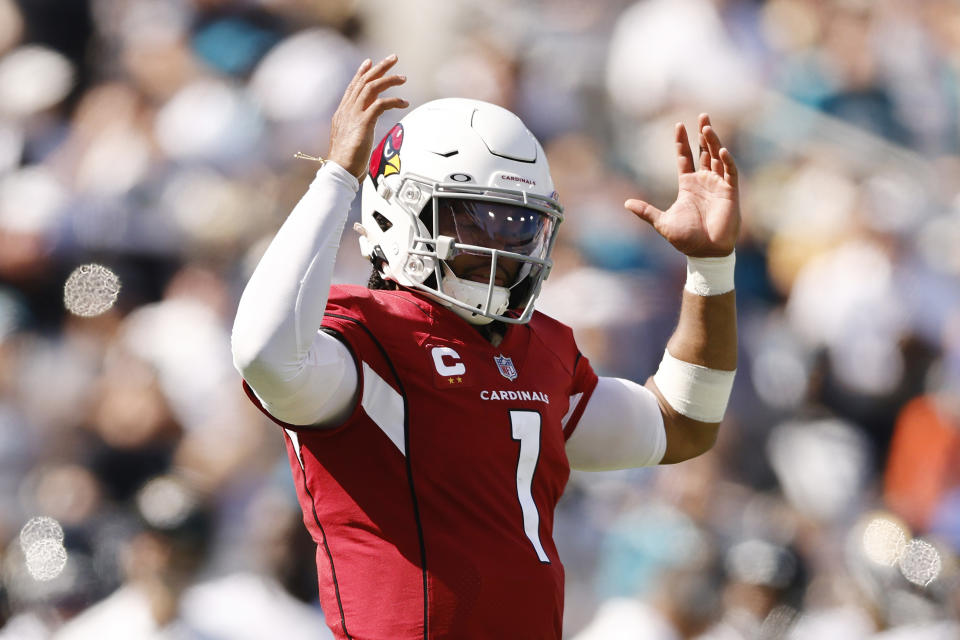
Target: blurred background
(146,158)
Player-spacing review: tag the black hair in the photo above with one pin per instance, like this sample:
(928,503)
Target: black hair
(377,282)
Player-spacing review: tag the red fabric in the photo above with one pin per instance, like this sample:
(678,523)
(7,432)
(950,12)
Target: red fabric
(463,518)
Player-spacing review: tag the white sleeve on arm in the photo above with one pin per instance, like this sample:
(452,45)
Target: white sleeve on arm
(621,428)
(301,375)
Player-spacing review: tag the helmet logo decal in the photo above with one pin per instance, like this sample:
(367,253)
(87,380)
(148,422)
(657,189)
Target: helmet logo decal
(461,177)
(385,159)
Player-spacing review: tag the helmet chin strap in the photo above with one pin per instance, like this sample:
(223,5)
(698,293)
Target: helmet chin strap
(473,294)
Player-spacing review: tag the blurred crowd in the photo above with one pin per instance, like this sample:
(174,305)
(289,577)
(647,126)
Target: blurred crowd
(146,158)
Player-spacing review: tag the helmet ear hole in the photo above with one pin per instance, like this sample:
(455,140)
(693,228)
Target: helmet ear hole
(382,221)
(378,258)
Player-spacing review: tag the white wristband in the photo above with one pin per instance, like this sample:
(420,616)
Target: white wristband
(693,390)
(710,276)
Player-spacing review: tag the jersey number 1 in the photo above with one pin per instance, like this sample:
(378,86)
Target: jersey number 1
(526,429)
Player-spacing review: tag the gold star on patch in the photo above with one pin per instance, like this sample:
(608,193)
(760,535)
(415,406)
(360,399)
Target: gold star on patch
(450,380)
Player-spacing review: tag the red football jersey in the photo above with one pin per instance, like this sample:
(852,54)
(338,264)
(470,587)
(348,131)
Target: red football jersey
(432,505)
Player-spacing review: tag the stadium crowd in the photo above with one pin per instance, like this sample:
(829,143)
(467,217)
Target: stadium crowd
(140,493)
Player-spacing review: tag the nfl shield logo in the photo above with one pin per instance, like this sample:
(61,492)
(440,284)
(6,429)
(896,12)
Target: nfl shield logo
(505,364)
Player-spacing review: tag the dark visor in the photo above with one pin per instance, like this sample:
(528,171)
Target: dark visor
(495,225)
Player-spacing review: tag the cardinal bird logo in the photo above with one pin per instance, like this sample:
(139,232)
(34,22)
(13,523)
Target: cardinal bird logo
(385,159)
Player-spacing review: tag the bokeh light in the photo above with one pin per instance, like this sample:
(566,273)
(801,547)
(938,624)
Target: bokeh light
(38,529)
(45,559)
(91,290)
(920,562)
(41,540)
(884,541)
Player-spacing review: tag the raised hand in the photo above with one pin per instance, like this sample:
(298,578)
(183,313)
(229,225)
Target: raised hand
(351,132)
(705,219)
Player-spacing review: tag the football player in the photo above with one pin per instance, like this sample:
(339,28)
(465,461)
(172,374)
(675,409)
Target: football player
(431,421)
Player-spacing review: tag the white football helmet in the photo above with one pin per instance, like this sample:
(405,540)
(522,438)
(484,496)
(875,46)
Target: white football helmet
(462,177)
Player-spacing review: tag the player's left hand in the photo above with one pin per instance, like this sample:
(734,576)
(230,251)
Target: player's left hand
(705,219)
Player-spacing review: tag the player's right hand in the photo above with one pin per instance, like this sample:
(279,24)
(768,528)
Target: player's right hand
(351,132)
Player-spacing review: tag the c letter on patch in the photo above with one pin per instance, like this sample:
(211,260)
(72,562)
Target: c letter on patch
(447,361)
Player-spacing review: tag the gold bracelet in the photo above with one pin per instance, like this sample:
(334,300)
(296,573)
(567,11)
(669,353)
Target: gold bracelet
(300,155)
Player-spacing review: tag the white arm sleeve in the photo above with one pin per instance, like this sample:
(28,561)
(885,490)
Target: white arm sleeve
(621,428)
(301,375)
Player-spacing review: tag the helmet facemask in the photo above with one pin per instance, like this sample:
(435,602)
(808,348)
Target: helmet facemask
(504,237)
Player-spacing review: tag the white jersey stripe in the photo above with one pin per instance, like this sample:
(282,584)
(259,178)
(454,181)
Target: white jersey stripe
(384,406)
(296,444)
(574,403)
